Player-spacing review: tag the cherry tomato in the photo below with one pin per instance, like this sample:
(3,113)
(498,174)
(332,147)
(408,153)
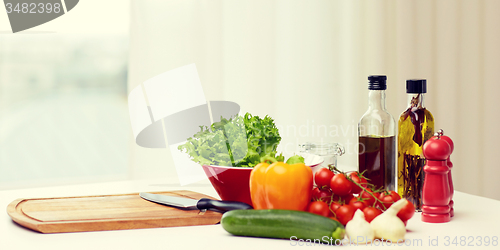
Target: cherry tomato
(342,199)
(322,194)
(319,207)
(395,196)
(323,177)
(367,196)
(340,185)
(315,193)
(357,203)
(387,198)
(333,218)
(370,213)
(386,201)
(335,205)
(358,178)
(346,198)
(406,212)
(345,213)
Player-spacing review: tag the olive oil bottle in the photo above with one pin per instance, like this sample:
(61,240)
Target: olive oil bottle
(416,126)
(377,138)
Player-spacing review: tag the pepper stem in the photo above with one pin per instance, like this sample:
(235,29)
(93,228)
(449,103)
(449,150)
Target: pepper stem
(268,159)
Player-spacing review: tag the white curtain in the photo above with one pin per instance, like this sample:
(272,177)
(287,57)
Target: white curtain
(306,63)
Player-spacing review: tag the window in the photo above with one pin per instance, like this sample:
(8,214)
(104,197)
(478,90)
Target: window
(63,102)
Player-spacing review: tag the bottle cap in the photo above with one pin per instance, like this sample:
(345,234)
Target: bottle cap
(377,82)
(415,86)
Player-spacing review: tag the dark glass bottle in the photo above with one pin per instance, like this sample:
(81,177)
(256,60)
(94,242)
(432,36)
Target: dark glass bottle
(377,140)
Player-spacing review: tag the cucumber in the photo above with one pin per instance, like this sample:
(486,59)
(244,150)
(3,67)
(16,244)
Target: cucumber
(282,224)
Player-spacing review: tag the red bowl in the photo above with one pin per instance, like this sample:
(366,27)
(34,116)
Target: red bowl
(231,183)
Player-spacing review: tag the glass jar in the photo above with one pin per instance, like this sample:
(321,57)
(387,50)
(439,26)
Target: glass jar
(328,151)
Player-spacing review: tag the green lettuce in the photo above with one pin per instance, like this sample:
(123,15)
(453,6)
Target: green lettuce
(239,142)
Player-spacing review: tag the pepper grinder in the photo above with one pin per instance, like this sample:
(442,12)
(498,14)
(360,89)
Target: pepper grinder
(436,188)
(450,166)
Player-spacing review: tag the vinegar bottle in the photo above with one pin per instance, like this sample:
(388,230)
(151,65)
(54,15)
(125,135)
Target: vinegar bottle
(416,126)
(377,141)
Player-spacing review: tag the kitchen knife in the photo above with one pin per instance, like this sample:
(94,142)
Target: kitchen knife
(203,203)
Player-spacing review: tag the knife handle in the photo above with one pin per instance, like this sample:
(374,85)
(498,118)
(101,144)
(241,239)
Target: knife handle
(222,206)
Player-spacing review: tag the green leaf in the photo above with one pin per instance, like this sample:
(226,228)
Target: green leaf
(240,141)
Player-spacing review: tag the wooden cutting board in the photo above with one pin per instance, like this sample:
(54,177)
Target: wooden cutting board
(109,212)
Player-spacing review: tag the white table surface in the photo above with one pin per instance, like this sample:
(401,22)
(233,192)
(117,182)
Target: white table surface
(475,216)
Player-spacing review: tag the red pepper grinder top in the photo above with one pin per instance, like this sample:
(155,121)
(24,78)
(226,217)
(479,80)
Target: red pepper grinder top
(436,191)
(437,148)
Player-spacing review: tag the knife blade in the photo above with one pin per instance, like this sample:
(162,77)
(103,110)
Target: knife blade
(203,203)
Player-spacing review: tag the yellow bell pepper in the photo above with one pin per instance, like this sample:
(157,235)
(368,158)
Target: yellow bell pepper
(281,186)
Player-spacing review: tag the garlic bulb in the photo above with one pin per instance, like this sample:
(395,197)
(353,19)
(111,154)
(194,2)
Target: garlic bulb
(388,226)
(358,229)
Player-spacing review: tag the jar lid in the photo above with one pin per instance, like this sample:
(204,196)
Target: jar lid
(323,148)
(377,82)
(416,86)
